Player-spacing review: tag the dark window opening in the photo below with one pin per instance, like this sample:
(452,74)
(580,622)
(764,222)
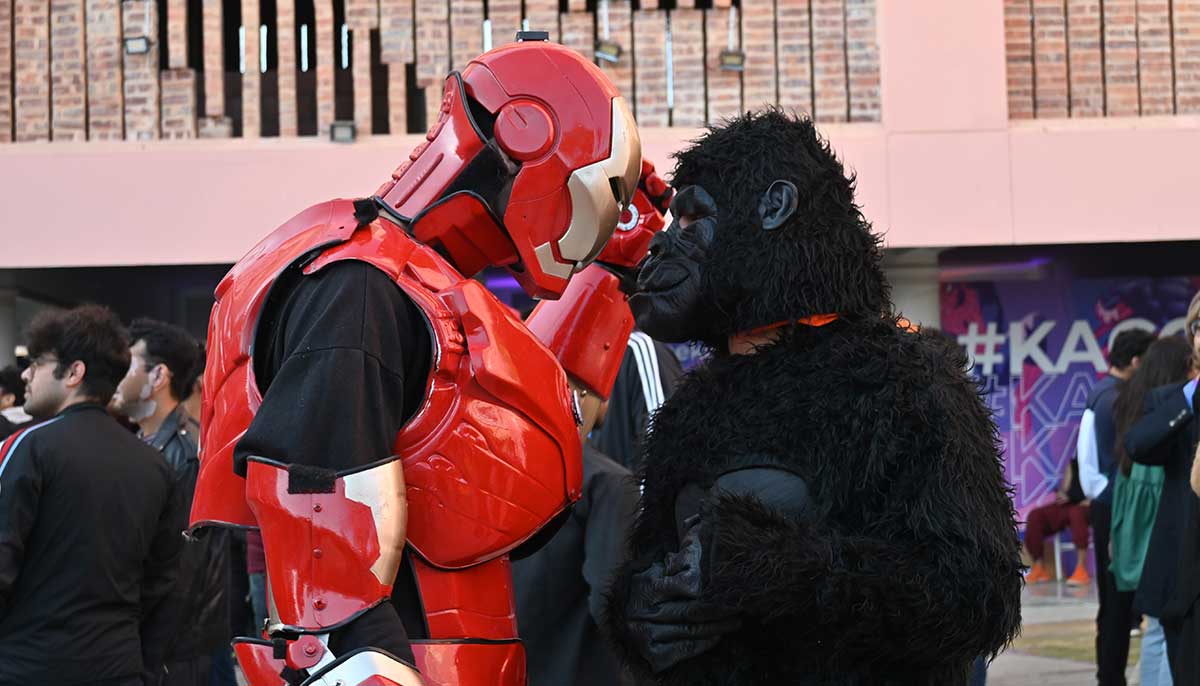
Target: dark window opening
(306,68)
(269,88)
(343,77)
(379,88)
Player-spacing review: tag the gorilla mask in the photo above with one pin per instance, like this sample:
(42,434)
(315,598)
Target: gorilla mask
(764,230)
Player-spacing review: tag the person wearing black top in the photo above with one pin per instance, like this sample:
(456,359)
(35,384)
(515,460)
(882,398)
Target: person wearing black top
(151,394)
(90,528)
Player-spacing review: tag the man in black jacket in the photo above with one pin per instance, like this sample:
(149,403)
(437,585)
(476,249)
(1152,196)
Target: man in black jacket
(151,394)
(89,528)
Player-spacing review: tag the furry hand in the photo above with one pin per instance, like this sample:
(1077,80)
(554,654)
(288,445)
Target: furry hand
(669,619)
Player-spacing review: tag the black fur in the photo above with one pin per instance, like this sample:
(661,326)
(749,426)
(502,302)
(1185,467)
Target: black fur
(910,567)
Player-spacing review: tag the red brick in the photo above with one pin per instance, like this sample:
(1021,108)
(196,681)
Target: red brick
(178,103)
(31,78)
(285,45)
(574,6)
(433,52)
(215,127)
(140,19)
(177,35)
(759,86)
(542,15)
(578,33)
(831,99)
(1050,58)
(360,64)
(505,19)
(620,29)
(466,16)
(724,89)
(6,72)
(362,14)
(214,61)
(1120,58)
(68,82)
(1155,67)
(396,32)
(1018,41)
(862,59)
(1187,55)
(1084,58)
(252,76)
(795,55)
(397,99)
(105,80)
(326,61)
(687,47)
(650,65)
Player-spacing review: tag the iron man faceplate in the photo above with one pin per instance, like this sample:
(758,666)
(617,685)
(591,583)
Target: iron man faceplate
(533,159)
(588,328)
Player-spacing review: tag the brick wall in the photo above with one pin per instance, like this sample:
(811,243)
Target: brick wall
(72,80)
(214,59)
(1154,57)
(794,31)
(1121,60)
(1187,55)
(285,41)
(6,72)
(758,42)
(1086,62)
(862,58)
(620,30)
(68,83)
(650,63)
(466,16)
(724,88)
(687,44)
(1018,34)
(178,103)
(1050,58)
(31,75)
(140,20)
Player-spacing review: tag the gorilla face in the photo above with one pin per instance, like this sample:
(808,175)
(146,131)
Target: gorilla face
(670,300)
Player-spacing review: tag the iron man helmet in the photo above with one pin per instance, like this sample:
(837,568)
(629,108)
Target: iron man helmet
(529,167)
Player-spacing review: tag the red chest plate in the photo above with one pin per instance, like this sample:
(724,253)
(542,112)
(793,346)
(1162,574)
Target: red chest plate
(491,456)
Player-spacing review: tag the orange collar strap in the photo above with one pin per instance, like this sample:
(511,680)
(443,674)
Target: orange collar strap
(814,320)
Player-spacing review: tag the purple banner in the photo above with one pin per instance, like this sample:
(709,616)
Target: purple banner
(1038,347)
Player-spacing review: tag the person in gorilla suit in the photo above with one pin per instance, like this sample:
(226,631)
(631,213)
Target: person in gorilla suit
(824,501)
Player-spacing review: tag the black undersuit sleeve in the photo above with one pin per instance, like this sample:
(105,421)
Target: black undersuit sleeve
(343,360)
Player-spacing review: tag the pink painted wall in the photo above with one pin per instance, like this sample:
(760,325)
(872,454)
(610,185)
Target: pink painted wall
(944,168)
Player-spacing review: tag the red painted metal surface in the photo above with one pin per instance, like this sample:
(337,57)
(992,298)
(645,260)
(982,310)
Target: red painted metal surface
(587,329)
(258,663)
(640,221)
(475,602)
(470,664)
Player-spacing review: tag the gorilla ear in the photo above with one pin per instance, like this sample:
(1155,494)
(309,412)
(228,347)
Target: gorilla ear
(778,204)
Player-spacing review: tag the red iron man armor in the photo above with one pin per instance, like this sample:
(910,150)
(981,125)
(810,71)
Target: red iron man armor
(588,328)
(529,166)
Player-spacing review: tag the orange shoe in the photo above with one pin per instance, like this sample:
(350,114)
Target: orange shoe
(1080,577)
(1037,574)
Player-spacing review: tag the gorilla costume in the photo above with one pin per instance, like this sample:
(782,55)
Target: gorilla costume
(829,508)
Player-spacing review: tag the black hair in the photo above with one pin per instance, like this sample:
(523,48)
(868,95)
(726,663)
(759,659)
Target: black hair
(1128,345)
(90,334)
(825,260)
(169,345)
(1167,360)
(197,369)
(10,382)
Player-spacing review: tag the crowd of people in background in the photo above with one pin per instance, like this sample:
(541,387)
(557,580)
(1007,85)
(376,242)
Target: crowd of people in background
(99,457)
(1130,481)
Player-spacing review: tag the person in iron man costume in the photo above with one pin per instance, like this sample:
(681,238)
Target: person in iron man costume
(384,421)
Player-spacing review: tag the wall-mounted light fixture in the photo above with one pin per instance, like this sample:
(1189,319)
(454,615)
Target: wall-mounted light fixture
(139,45)
(342,132)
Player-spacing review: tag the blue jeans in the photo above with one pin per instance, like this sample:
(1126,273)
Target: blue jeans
(1153,665)
(258,601)
(979,672)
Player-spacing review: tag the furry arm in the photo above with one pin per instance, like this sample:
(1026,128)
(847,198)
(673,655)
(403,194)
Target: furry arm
(860,596)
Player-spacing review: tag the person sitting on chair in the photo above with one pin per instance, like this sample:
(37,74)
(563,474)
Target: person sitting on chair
(1069,510)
